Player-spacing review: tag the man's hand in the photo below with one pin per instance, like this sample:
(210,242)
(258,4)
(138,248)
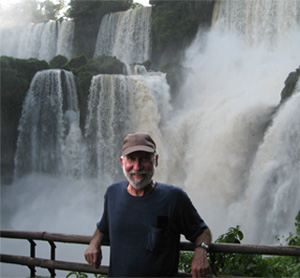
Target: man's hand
(200,264)
(93,256)
(93,253)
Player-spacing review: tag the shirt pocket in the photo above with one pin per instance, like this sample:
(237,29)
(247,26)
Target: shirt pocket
(157,239)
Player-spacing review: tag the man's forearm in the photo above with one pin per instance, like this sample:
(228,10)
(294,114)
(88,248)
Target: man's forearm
(93,254)
(200,264)
(204,237)
(97,239)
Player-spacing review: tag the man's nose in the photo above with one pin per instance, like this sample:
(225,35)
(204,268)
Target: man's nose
(137,164)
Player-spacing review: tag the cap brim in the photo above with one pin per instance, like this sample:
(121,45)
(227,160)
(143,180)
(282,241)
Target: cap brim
(138,149)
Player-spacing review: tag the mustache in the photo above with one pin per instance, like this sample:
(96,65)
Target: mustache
(138,172)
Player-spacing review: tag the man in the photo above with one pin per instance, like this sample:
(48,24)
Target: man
(144,219)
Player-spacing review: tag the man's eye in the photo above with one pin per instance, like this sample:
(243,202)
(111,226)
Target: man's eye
(146,159)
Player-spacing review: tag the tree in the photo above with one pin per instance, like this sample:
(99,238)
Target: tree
(30,11)
(50,10)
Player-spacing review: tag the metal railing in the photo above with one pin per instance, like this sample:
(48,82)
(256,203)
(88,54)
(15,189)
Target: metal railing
(52,264)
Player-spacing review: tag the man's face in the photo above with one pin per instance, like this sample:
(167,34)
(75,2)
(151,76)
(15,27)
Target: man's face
(138,168)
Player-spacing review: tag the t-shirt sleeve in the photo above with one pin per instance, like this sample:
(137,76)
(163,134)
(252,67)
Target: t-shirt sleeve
(102,225)
(191,223)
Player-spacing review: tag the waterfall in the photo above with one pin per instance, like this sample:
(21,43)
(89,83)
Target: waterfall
(119,105)
(225,143)
(49,132)
(267,22)
(274,191)
(50,139)
(126,35)
(224,157)
(42,40)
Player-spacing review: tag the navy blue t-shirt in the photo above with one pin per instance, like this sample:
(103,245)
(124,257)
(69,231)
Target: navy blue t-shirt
(144,232)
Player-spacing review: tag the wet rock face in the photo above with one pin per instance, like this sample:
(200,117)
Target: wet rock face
(290,85)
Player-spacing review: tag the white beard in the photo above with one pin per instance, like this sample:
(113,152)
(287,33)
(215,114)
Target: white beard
(140,183)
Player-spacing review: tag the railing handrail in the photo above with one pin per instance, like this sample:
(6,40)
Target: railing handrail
(53,264)
(184,246)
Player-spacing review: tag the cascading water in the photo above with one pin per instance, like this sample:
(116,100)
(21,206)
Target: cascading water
(274,191)
(49,121)
(225,145)
(115,108)
(42,40)
(259,22)
(227,104)
(120,35)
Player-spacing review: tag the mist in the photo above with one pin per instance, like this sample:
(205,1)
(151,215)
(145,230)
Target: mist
(225,144)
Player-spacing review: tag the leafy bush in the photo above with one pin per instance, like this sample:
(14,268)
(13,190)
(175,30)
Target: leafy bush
(76,63)
(185,258)
(250,265)
(238,264)
(58,61)
(288,266)
(106,65)
(83,275)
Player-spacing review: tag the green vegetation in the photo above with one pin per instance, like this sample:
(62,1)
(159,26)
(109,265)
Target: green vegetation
(58,61)
(175,24)
(35,11)
(250,265)
(16,75)
(290,85)
(75,274)
(85,69)
(241,264)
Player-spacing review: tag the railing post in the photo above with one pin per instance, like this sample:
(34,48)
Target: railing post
(212,257)
(32,255)
(52,256)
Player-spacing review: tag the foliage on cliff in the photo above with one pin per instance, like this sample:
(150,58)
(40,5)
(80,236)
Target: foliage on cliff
(175,24)
(85,69)
(87,16)
(16,75)
(290,85)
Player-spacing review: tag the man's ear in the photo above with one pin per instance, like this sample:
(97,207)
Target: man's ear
(156,160)
(121,160)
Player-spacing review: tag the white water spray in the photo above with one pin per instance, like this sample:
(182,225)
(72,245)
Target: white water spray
(120,35)
(227,103)
(274,191)
(42,40)
(214,146)
(258,22)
